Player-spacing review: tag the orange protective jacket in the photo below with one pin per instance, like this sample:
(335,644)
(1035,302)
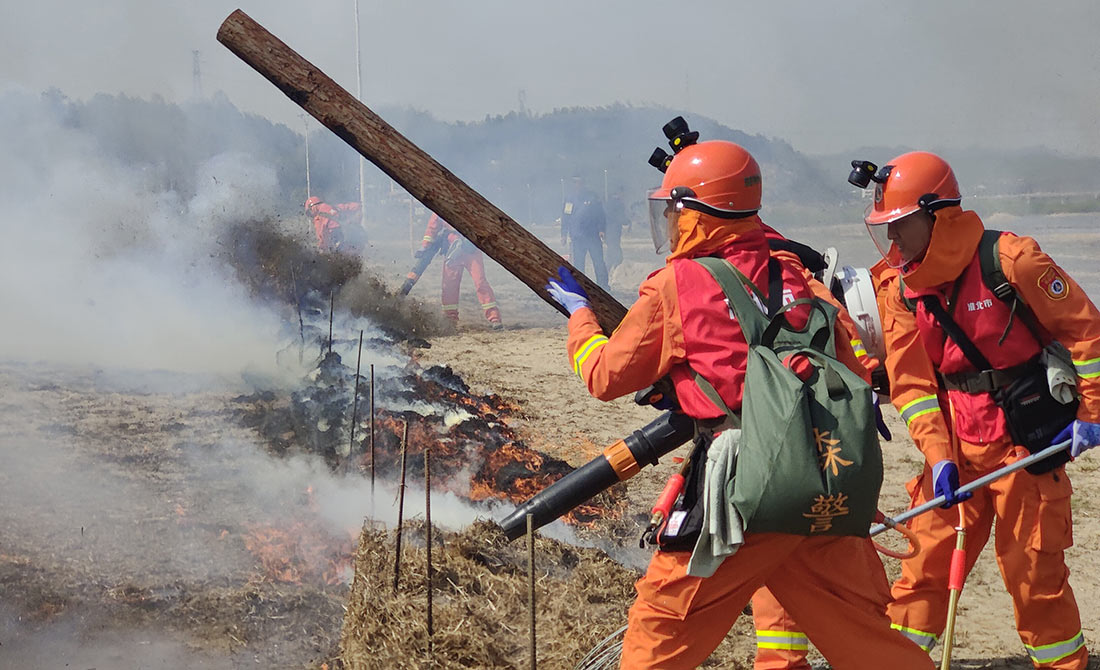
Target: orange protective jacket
(650,342)
(326,223)
(457,245)
(1065,312)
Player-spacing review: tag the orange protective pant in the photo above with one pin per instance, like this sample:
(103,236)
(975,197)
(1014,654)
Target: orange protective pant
(780,643)
(452,281)
(826,583)
(1033,523)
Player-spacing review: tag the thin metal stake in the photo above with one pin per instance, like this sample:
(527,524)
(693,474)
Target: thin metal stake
(428,541)
(301,324)
(531,575)
(400,505)
(355,402)
(331,306)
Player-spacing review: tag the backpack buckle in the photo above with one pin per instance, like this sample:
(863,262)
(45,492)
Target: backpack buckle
(1003,290)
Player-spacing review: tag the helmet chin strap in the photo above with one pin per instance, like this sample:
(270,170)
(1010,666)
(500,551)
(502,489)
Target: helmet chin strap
(699,206)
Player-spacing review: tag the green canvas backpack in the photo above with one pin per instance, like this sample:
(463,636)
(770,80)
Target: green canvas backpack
(809,461)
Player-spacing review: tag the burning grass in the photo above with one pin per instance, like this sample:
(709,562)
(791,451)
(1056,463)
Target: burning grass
(282,269)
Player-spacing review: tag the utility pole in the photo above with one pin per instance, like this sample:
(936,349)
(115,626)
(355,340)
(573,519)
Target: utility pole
(196,76)
(359,95)
(305,123)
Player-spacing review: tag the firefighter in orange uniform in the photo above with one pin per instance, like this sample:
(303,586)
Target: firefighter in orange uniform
(460,254)
(680,323)
(932,245)
(329,225)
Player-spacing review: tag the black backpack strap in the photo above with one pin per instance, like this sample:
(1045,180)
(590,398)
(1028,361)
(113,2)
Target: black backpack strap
(969,349)
(993,275)
(810,258)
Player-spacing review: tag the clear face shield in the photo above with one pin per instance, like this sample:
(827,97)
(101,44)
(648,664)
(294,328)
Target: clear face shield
(663,217)
(900,241)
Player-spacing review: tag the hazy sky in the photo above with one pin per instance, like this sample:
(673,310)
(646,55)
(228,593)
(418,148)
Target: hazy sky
(826,76)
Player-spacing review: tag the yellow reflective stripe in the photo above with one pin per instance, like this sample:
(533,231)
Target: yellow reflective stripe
(919,407)
(923,639)
(857,346)
(447,307)
(1087,369)
(781,639)
(1049,653)
(488,305)
(591,344)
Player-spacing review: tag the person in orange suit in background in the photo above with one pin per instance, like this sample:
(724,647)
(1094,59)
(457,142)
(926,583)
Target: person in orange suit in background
(932,246)
(460,254)
(834,586)
(333,227)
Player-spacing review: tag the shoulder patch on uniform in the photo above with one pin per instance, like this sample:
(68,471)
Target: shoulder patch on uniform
(1054,284)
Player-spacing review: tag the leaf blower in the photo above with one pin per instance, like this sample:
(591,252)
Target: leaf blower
(619,462)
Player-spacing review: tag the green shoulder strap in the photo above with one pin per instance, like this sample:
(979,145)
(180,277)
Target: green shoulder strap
(752,321)
(910,305)
(736,286)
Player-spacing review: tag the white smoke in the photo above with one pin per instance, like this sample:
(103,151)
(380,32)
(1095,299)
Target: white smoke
(99,268)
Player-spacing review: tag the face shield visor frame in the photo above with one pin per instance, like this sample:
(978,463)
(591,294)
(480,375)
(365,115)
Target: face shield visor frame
(664,216)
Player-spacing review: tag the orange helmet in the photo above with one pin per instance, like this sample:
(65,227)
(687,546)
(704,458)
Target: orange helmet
(912,181)
(716,177)
(311,202)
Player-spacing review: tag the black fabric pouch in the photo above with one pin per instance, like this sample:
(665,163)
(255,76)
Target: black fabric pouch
(1034,416)
(681,531)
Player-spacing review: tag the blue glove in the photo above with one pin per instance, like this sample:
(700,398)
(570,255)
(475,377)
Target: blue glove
(565,290)
(880,423)
(1085,436)
(945,482)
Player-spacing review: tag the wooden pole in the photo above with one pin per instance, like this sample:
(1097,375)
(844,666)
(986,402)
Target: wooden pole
(490,229)
(400,505)
(355,402)
(428,540)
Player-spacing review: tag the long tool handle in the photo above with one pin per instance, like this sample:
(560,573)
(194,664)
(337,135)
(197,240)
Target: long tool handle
(956,577)
(972,486)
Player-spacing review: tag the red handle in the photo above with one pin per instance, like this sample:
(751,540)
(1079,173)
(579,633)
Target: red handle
(668,496)
(957,574)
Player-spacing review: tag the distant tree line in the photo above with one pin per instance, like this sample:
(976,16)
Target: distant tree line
(518,161)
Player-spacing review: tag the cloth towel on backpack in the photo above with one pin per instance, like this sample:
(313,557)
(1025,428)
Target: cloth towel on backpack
(1061,375)
(722,532)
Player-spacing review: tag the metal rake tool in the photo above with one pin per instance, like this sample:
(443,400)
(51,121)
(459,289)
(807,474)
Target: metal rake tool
(605,654)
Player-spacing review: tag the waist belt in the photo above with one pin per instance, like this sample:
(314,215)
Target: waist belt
(986,381)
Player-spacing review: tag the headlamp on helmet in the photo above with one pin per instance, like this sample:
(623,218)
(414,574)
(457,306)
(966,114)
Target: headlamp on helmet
(679,137)
(917,181)
(864,172)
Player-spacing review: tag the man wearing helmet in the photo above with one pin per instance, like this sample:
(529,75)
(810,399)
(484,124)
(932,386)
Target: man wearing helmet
(681,325)
(955,351)
(328,225)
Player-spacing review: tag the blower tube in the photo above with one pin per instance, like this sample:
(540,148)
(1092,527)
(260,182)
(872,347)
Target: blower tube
(619,462)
